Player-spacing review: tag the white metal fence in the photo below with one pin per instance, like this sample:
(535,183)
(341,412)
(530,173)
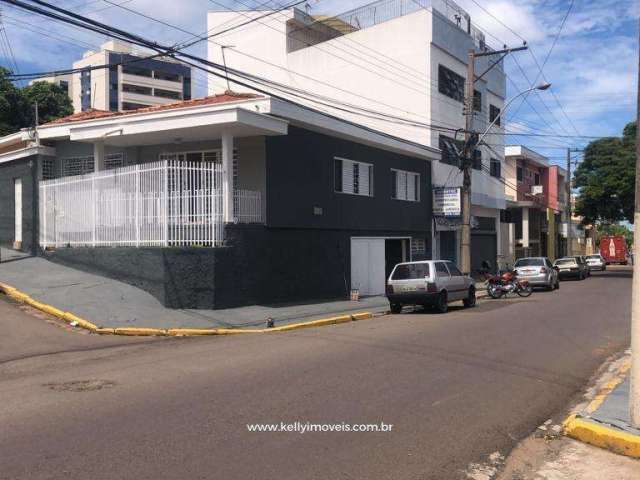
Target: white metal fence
(165,203)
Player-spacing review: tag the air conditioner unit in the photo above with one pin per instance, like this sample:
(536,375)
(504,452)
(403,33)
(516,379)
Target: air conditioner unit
(537,190)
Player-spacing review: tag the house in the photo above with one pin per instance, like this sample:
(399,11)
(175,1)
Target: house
(133,81)
(227,200)
(536,205)
(402,58)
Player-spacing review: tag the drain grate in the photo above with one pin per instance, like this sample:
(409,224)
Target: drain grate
(80,386)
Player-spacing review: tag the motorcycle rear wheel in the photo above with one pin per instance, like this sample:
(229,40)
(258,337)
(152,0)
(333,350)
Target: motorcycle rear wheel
(525,290)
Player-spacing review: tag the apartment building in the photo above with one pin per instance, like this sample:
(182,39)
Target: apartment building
(535,191)
(402,58)
(131,82)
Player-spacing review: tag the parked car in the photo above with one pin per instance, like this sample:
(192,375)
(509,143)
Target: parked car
(596,262)
(429,283)
(538,271)
(571,267)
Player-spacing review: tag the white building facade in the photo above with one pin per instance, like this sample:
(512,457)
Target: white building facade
(132,81)
(400,58)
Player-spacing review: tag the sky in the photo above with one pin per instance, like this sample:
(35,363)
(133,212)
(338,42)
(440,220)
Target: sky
(590,58)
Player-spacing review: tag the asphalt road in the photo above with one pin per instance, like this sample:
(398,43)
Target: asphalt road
(455,387)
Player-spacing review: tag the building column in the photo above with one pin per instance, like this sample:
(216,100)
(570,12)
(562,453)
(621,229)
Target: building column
(98,156)
(525,227)
(551,234)
(227,177)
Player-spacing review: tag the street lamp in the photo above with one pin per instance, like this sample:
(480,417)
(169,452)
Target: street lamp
(542,86)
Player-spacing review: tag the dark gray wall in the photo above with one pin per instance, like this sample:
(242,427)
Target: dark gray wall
(300,177)
(260,265)
(24,168)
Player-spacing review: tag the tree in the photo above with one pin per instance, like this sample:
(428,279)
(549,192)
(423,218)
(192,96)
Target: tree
(53,101)
(17,105)
(13,107)
(606,179)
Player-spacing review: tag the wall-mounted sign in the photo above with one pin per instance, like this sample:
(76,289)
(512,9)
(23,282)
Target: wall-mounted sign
(446,202)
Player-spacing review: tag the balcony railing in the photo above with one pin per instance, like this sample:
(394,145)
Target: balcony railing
(165,203)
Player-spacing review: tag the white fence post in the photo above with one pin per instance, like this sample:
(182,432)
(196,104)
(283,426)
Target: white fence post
(137,206)
(165,219)
(93,210)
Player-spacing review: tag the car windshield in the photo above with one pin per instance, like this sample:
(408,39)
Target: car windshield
(593,257)
(410,271)
(566,261)
(529,262)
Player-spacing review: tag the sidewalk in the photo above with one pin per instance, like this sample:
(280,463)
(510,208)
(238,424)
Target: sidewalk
(111,303)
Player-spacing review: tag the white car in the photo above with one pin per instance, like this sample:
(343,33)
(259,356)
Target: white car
(596,262)
(429,283)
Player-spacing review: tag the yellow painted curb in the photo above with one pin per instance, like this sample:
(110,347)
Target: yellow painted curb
(174,332)
(601,436)
(140,332)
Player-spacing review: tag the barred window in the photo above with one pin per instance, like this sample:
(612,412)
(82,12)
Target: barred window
(477,160)
(114,160)
(477,101)
(494,112)
(450,83)
(48,168)
(77,165)
(495,168)
(448,146)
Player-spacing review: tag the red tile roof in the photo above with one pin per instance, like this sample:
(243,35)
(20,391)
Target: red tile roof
(92,114)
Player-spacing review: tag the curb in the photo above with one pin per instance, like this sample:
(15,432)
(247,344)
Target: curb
(580,427)
(76,321)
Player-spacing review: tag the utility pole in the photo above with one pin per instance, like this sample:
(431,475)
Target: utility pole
(471,140)
(465,241)
(634,390)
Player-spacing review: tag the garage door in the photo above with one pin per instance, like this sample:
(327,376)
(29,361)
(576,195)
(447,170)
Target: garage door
(367,265)
(484,246)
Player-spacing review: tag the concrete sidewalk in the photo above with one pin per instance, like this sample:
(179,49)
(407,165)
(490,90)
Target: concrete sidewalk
(111,303)
(605,421)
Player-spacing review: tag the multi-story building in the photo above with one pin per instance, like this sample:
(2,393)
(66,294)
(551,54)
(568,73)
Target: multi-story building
(402,58)
(535,190)
(132,81)
(63,81)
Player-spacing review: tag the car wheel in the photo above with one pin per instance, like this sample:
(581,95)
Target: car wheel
(557,284)
(470,301)
(442,305)
(396,307)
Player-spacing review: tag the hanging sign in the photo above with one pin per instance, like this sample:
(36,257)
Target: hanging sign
(446,202)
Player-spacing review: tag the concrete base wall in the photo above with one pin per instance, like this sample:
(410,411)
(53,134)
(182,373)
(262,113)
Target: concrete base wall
(259,265)
(23,169)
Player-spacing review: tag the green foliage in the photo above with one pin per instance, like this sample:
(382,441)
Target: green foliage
(606,179)
(17,105)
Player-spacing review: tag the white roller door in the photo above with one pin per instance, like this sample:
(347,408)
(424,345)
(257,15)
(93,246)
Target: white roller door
(18,212)
(368,265)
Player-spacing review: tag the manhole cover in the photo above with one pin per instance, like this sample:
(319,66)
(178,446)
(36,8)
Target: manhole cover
(80,385)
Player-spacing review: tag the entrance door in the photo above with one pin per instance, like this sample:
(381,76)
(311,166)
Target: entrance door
(18,212)
(484,246)
(368,265)
(448,246)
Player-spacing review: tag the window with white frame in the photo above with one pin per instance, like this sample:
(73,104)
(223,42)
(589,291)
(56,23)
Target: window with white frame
(353,177)
(405,185)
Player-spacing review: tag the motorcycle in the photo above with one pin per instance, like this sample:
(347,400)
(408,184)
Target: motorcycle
(508,282)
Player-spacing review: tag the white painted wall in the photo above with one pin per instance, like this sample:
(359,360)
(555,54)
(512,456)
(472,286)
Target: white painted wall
(391,67)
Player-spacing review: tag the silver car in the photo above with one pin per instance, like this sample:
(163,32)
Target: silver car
(596,262)
(538,271)
(429,283)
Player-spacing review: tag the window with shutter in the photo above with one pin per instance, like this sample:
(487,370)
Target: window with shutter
(477,160)
(353,177)
(406,185)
